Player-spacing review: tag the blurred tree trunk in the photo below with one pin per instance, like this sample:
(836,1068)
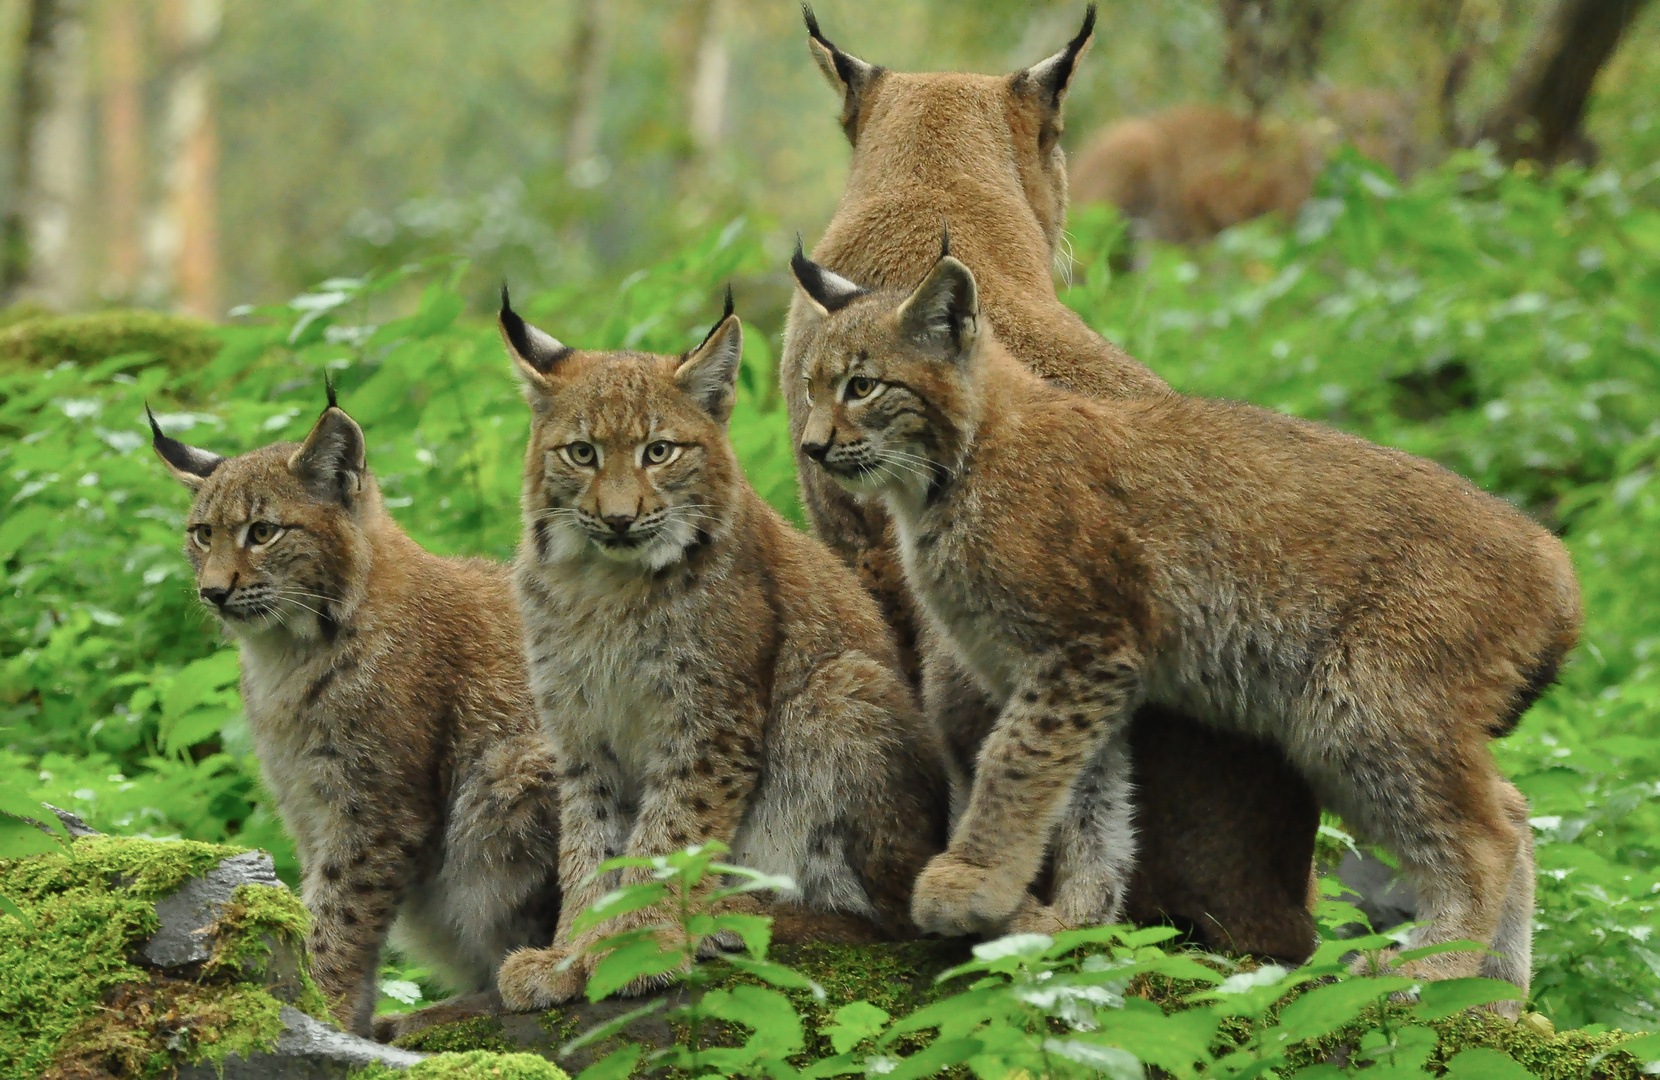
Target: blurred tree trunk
(710,75)
(39,259)
(591,62)
(1272,42)
(1542,112)
(181,238)
(123,137)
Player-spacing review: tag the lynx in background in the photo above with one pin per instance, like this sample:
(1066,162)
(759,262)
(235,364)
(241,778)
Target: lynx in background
(1229,850)
(706,671)
(1374,615)
(385,691)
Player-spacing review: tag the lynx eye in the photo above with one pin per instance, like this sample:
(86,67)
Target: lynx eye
(581,454)
(203,535)
(659,452)
(262,532)
(860,387)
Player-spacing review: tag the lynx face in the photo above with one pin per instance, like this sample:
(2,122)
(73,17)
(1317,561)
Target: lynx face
(272,534)
(889,400)
(628,458)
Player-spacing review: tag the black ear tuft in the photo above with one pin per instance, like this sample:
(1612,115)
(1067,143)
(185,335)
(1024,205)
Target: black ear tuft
(328,385)
(1052,75)
(190,464)
(945,238)
(725,314)
(812,26)
(830,291)
(538,349)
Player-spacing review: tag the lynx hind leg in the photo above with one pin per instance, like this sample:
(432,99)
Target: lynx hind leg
(1513,942)
(853,800)
(500,882)
(959,712)
(1095,840)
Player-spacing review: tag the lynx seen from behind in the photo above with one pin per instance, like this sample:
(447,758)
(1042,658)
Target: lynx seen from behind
(386,695)
(1229,851)
(705,671)
(1375,615)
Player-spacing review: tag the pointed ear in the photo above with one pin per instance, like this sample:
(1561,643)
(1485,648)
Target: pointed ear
(188,464)
(709,373)
(1047,80)
(535,353)
(943,314)
(826,290)
(331,461)
(845,72)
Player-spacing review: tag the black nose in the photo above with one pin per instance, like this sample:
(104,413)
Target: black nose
(815,450)
(216,597)
(619,522)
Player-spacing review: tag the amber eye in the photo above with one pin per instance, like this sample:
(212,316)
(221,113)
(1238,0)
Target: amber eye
(659,452)
(202,534)
(581,453)
(262,532)
(860,386)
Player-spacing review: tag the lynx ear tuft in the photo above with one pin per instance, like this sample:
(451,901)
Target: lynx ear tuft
(189,465)
(943,314)
(331,461)
(1050,77)
(536,352)
(844,71)
(709,373)
(827,291)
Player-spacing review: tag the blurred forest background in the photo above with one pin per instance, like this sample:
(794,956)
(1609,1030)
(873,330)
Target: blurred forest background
(211,153)
(205,204)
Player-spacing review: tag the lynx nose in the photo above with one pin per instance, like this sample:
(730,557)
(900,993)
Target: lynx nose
(816,450)
(619,522)
(216,596)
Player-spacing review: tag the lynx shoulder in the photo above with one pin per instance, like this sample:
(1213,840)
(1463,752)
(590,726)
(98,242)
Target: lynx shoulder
(386,695)
(1377,617)
(705,671)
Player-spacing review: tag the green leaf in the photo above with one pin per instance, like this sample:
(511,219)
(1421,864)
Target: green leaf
(854,1023)
(1448,996)
(629,898)
(19,839)
(639,956)
(1327,1008)
(11,908)
(1174,1042)
(611,1027)
(1478,1063)
(1441,947)
(617,1065)
(769,1014)
(1645,1048)
(1110,1061)
(777,975)
(755,930)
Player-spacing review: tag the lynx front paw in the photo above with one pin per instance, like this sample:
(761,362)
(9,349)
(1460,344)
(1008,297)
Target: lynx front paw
(956,898)
(531,979)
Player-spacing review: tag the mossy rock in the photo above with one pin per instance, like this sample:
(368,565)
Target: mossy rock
(79,998)
(43,341)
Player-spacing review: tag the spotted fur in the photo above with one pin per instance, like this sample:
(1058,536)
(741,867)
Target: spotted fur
(1227,853)
(386,694)
(705,671)
(1370,613)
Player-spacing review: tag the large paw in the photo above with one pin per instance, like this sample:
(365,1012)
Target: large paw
(1033,916)
(956,898)
(531,979)
(1091,900)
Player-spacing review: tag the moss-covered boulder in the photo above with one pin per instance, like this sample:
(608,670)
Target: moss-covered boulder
(39,340)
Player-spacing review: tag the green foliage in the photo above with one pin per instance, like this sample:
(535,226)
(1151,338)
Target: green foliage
(84,910)
(39,339)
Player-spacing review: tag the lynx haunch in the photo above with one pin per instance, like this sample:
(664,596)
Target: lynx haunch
(386,696)
(1376,616)
(705,671)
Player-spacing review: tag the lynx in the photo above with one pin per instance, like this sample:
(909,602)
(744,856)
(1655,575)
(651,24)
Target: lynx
(386,694)
(983,152)
(705,671)
(1376,616)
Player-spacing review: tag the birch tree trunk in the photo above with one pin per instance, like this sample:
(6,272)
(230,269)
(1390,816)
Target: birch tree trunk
(181,236)
(123,145)
(711,74)
(591,62)
(40,260)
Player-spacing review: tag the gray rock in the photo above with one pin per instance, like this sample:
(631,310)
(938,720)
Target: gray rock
(306,1050)
(187,915)
(1387,900)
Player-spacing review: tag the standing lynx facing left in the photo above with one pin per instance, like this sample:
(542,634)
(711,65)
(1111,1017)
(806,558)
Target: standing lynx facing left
(387,700)
(1376,616)
(706,671)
